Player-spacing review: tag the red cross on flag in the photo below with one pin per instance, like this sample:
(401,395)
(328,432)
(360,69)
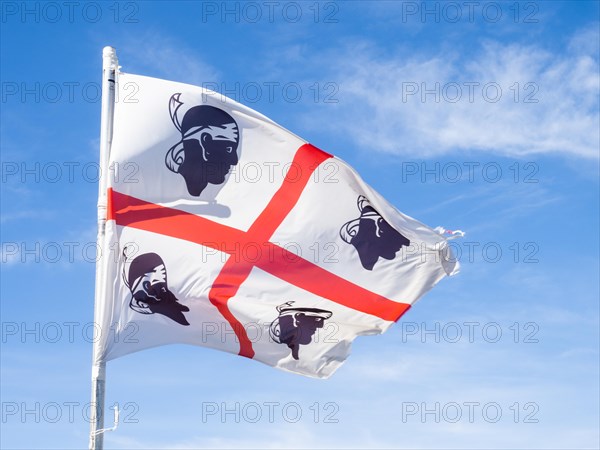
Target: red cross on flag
(228,231)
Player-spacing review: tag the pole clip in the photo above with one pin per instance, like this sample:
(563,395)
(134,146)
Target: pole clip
(115,408)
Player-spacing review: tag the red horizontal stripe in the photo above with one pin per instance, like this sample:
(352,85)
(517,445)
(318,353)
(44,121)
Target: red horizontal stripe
(136,213)
(312,278)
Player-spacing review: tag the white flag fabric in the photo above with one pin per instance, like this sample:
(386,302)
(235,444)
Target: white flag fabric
(226,230)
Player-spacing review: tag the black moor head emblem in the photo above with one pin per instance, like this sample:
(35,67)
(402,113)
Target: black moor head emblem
(372,236)
(297,326)
(150,294)
(207,148)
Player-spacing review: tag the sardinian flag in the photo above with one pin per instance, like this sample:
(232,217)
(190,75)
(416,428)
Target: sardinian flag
(226,230)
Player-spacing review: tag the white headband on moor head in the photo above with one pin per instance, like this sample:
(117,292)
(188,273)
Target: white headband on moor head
(350,229)
(176,156)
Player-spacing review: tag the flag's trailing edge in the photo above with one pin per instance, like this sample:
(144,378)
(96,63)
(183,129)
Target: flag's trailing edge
(225,230)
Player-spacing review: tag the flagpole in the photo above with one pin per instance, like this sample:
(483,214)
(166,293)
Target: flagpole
(109,68)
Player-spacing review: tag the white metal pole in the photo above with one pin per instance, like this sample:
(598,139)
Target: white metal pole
(109,69)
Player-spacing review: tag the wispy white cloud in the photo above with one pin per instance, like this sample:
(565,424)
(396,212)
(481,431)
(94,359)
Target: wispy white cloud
(155,54)
(556,113)
(499,204)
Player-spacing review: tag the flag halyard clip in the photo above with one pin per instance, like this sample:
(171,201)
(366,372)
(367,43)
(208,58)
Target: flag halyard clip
(115,408)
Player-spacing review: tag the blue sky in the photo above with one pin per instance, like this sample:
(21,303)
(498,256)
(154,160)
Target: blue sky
(505,146)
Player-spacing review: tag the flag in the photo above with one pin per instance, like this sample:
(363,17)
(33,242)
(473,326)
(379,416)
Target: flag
(228,231)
